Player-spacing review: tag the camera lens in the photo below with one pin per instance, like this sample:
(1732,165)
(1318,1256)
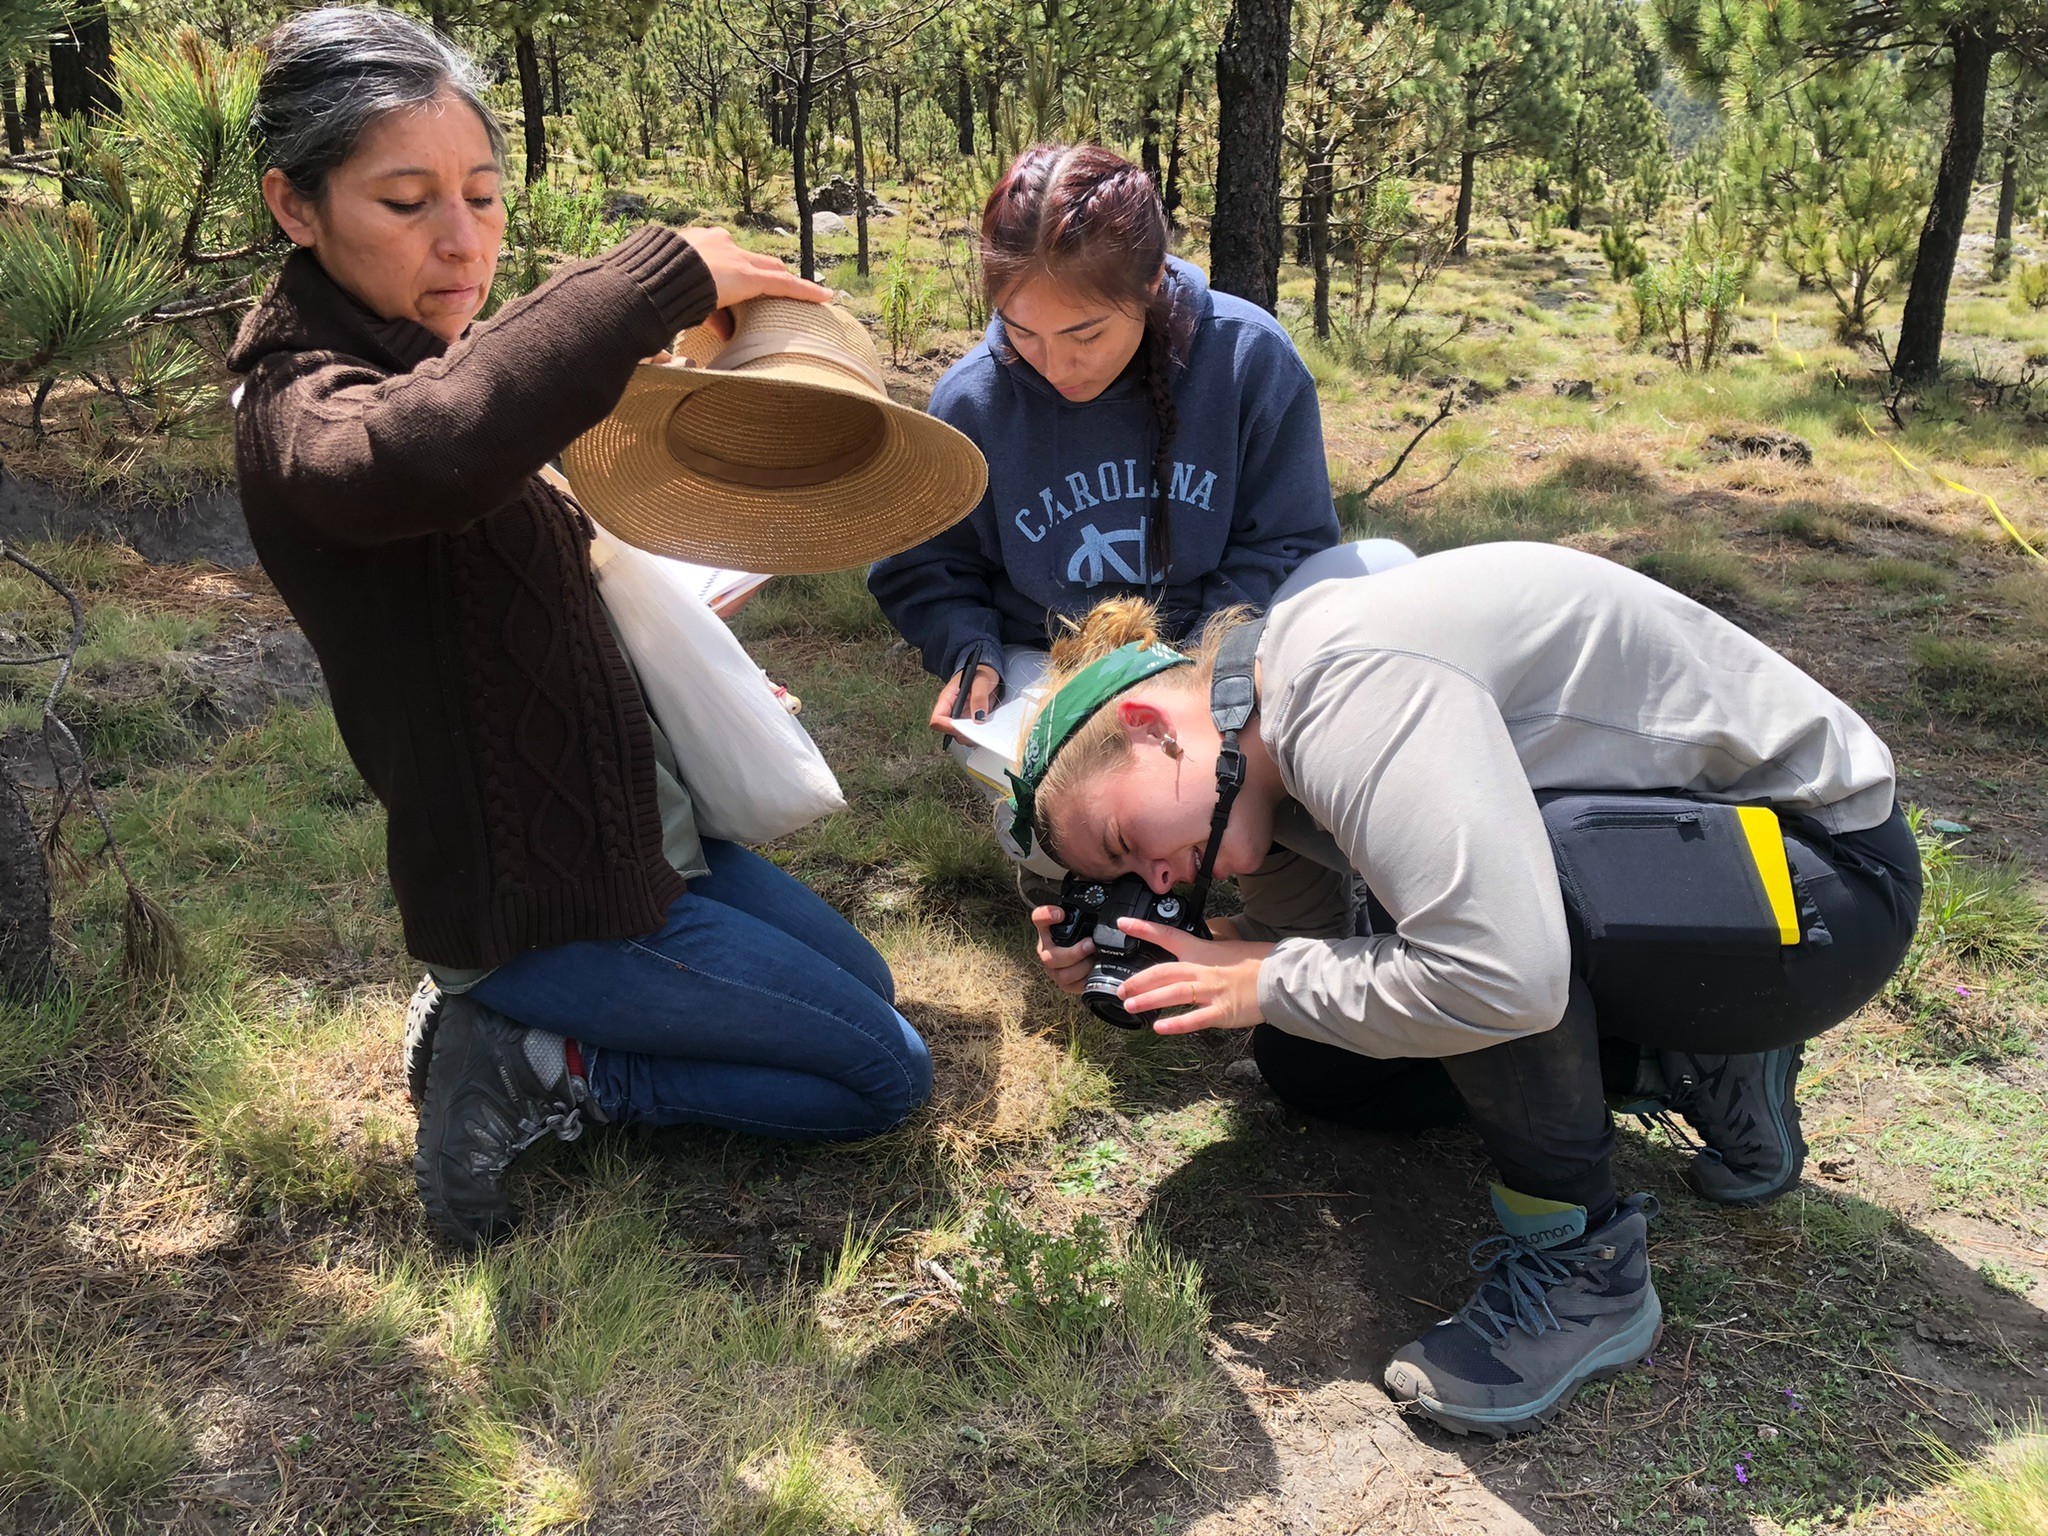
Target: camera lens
(1100,989)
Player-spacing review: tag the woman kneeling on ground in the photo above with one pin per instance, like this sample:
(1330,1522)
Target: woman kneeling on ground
(1613,843)
(540,838)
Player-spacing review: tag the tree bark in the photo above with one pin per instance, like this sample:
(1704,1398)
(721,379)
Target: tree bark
(896,124)
(2008,202)
(1169,194)
(82,67)
(1148,142)
(860,173)
(35,100)
(533,105)
(963,115)
(1251,91)
(1302,255)
(10,112)
(24,901)
(554,77)
(800,143)
(437,16)
(991,102)
(1318,195)
(1918,358)
(1468,165)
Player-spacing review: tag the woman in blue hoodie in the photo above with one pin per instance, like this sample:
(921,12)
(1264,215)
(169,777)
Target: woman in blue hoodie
(1143,435)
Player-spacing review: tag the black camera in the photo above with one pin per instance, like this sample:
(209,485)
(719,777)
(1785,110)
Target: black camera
(1091,909)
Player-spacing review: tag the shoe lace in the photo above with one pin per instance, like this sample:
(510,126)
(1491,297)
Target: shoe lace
(1520,1278)
(564,1122)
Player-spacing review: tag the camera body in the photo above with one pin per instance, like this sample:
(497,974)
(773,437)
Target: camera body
(1091,909)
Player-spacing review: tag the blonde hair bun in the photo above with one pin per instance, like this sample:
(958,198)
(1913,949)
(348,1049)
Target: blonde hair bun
(1106,627)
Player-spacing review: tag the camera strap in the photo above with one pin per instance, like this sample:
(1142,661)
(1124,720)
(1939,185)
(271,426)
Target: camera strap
(1233,695)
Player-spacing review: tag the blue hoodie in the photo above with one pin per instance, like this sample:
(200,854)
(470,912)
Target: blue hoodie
(1065,521)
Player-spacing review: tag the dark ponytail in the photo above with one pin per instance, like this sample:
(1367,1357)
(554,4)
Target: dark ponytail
(1156,360)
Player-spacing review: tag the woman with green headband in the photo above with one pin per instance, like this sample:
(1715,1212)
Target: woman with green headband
(1612,843)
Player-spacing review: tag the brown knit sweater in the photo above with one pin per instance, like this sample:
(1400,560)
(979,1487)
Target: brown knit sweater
(390,485)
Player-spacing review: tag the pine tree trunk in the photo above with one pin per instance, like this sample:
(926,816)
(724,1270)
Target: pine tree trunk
(533,105)
(800,146)
(24,901)
(1461,229)
(1318,196)
(437,16)
(35,100)
(1918,359)
(991,103)
(2008,204)
(896,125)
(1302,254)
(1148,141)
(554,77)
(1251,93)
(860,175)
(10,113)
(963,114)
(82,66)
(1169,194)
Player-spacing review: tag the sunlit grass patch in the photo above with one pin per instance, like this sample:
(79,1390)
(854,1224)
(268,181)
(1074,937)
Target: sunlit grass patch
(284,1092)
(1704,572)
(1892,574)
(80,1440)
(2001,684)
(2004,1494)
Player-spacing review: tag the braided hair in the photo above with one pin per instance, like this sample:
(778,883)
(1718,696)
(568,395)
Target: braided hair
(1092,221)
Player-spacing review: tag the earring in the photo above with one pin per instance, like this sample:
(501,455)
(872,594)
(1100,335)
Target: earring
(1170,745)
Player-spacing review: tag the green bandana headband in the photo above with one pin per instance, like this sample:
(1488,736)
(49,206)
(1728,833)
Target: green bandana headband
(1070,709)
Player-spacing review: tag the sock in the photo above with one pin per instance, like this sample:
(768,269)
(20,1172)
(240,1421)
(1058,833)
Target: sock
(548,1056)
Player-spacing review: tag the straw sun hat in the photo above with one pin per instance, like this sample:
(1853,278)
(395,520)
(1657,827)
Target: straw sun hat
(779,451)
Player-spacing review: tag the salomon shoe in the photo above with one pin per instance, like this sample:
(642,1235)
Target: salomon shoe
(493,1090)
(422,1015)
(1744,1111)
(1558,1307)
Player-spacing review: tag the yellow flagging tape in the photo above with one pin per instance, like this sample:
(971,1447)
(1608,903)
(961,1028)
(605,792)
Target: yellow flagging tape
(1796,357)
(1968,490)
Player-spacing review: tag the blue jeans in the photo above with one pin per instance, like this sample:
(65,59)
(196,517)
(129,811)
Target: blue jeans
(755,1007)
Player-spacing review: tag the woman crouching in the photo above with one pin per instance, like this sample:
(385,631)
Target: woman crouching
(592,957)
(1600,826)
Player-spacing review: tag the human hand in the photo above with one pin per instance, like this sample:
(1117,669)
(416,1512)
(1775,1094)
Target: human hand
(740,274)
(981,698)
(1217,980)
(1067,965)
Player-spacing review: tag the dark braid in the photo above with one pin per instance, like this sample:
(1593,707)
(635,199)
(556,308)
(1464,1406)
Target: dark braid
(1155,361)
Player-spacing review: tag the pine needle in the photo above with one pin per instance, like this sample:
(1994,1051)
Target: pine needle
(152,949)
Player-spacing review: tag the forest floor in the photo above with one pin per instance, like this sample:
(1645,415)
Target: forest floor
(220,1311)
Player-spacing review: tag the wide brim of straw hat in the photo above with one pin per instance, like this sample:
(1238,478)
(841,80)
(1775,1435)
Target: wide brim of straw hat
(795,463)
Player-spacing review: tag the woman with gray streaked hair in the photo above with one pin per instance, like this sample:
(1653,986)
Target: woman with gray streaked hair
(539,834)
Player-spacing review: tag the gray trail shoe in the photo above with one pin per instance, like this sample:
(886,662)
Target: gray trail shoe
(493,1089)
(1558,1307)
(1744,1110)
(422,1017)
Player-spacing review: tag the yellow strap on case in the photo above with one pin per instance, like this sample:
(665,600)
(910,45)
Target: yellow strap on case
(1767,848)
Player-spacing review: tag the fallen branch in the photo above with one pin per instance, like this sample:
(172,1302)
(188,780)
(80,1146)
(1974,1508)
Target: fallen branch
(1445,409)
(1424,490)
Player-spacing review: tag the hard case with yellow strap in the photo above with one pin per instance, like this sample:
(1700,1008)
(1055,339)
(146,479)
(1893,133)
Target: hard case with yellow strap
(1649,872)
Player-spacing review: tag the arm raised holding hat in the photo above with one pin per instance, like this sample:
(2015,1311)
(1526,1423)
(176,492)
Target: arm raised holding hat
(371,455)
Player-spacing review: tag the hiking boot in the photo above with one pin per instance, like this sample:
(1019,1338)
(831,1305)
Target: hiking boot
(1744,1111)
(422,1017)
(1558,1307)
(493,1090)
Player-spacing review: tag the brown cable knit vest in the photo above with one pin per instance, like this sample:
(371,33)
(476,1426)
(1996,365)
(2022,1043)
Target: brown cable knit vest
(390,488)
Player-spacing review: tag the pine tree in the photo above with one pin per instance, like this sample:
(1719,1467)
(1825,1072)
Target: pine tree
(1718,41)
(1609,128)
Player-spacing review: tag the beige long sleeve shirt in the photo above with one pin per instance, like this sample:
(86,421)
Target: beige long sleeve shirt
(1415,713)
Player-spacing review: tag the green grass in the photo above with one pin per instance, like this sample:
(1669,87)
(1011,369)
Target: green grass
(80,1443)
(2006,1493)
(2000,684)
(1702,572)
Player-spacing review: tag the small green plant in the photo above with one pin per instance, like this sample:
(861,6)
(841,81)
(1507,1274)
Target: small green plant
(910,307)
(1687,306)
(1543,229)
(1020,1280)
(2007,1493)
(2030,287)
(1624,253)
